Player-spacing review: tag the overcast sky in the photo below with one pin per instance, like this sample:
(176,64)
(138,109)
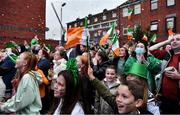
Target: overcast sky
(72,10)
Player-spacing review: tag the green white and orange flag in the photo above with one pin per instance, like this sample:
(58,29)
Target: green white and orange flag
(130,34)
(79,35)
(145,38)
(130,11)
(170,32)
(109,34)
(115,45)
(153,38)
(74,36)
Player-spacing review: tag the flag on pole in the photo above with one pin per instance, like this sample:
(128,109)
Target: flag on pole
(79,35)
(153,38)
(74,36)
(87,32)
(109,34)
(115,45)
(130,11)
(129,33)
(145,38)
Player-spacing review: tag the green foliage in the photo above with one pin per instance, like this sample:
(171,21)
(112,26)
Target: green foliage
(138,34)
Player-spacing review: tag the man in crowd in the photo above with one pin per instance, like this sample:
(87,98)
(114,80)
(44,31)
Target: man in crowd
(169,85)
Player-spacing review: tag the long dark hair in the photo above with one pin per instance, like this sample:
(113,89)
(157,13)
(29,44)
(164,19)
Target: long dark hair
(103,55)
(72,93)
(126,52)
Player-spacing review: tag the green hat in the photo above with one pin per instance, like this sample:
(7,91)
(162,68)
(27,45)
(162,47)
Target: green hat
(34,41)
(10,45)
(139,70)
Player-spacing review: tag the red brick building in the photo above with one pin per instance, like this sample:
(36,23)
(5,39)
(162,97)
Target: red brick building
(157,15)
(21,20)
(98,24)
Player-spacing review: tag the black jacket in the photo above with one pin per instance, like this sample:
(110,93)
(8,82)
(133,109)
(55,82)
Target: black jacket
(99,70)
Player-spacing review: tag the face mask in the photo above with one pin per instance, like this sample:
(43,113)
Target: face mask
(139,50)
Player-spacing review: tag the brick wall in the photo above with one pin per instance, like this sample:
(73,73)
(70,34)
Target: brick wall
(146,16)
(21,19)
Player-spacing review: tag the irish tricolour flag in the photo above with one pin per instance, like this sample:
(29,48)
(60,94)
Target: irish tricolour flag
(115,45)
(109,34)
(129,33)
(79,35)
(130,11)
(170,33)
(145,38)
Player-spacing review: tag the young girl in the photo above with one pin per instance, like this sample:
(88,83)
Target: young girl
(119,61)
(27,98)
(111,84)
(67,89)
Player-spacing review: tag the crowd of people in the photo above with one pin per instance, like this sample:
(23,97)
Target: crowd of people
(143,79)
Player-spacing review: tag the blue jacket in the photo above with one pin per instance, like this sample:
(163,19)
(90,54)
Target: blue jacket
(8,76)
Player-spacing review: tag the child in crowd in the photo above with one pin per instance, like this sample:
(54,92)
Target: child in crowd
(111,82)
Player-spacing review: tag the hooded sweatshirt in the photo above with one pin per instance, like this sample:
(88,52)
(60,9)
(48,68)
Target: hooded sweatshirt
(27,98)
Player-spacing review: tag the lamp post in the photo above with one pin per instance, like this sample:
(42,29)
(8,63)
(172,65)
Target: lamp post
(61,16)
(60,20)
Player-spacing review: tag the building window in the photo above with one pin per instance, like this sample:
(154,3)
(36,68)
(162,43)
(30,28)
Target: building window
(105,25)
(170,2)
(104,17)
(154,26)
(95,34)
(95,19)
(90,27)
(137,9)
(75,25)
(96,26)
(70,26)
(125,12)
(125,31)
(114,15)
(81,23)
(171,23)
(154,4)
(88,21)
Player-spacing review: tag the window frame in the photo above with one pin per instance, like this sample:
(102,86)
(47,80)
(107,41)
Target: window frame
(153,2)
(125,30)
(125,12)
(153,23)
(170,5)
(95,19)
(114,15)
(104,17)
(174,23)
(135,9)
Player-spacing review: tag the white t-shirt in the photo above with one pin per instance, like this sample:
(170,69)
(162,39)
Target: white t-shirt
(78,110)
